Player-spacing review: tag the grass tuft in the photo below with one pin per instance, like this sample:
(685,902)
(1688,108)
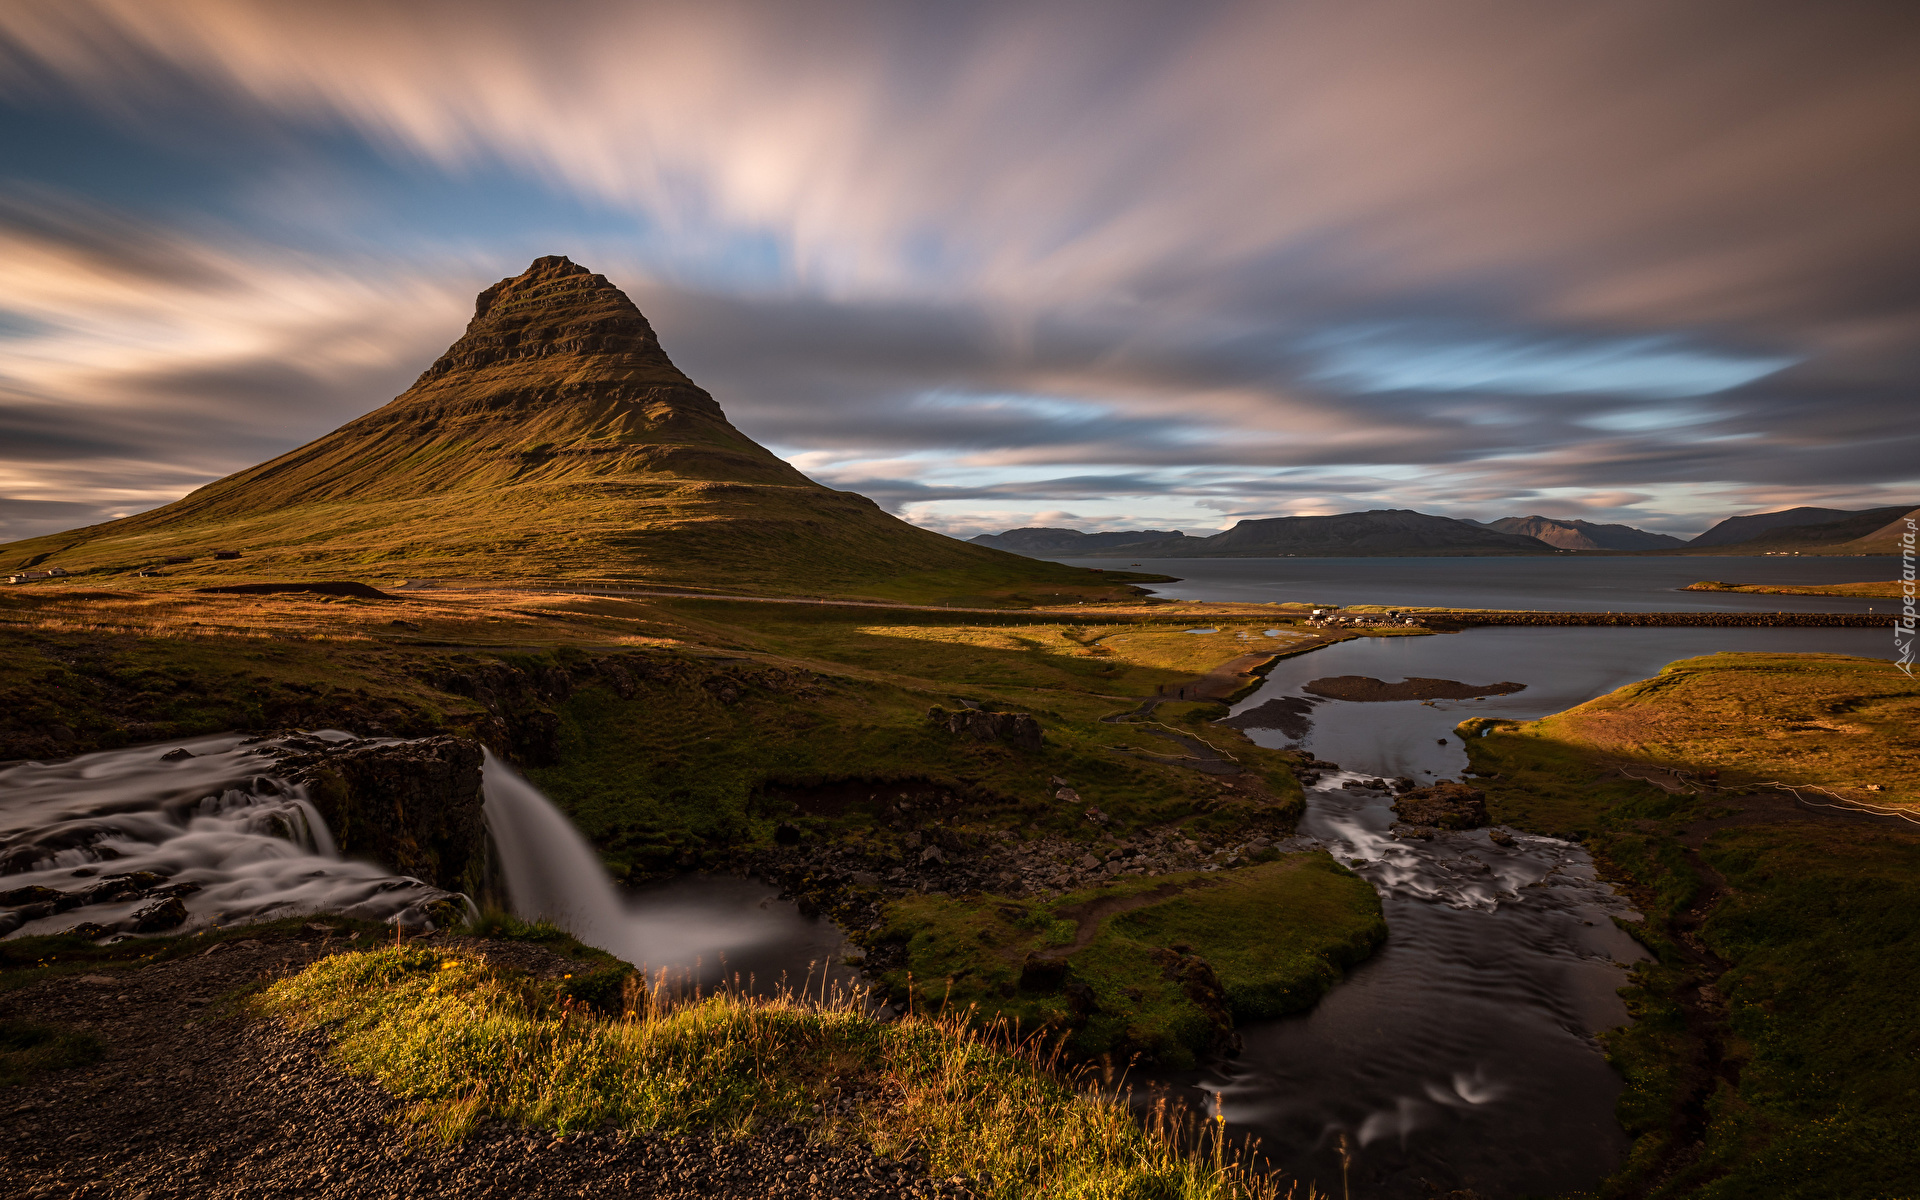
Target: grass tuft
(463,1041)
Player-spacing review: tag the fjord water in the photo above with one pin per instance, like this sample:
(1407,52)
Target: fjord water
(1553,583)
(1561,666)
(702,930)
(1462,1055)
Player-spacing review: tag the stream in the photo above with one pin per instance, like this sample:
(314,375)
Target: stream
(146,841)
(1462,1054)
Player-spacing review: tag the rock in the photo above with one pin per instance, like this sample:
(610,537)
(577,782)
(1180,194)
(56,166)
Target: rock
(932,855)
(176,755)
(163,915)
(1018,730)
(28,895)
(1500,837)
(1043,975)
(1445,805)
(1067,794)
(1081,1000)
(86,929)
(1098,817)
(1197,979)
(786,835)
(864,879)
(413,807)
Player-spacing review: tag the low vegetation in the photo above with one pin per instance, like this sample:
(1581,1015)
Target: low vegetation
(1886,589)
(462,1040)
(1772,1054)
(28,1048)
(1160,966)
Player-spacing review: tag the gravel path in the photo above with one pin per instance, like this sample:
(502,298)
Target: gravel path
(194,1101)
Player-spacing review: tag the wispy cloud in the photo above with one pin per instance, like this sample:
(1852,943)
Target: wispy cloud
(1228,257)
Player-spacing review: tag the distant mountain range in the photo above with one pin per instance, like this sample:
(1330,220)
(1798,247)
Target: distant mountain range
(1398,532)
(1566,533)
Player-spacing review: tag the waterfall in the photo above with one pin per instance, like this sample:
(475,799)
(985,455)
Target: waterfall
(552,873)
(94,842)
(702,929)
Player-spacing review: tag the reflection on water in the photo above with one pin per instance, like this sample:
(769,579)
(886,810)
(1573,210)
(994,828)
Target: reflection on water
(1561,668)
(1556,583)
(1461,1055)
(701,929)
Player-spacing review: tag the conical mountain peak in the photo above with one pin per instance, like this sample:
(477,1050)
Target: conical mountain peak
(554,438)
(554,307)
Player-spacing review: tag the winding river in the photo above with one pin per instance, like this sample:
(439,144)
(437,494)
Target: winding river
(1463,1054)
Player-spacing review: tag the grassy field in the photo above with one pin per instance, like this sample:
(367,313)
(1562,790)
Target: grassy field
(1275,937)
(1773,1053)
(674,766)
(1886,589)
(464,1040)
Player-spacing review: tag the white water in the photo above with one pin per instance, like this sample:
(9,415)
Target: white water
(701,929)
(222,820)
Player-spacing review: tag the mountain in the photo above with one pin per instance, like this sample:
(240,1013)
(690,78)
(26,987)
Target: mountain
(1383,532)
(555,439)
(1890,538)
(1068,543)
(1734,530)
(1867,531)
(1570,534)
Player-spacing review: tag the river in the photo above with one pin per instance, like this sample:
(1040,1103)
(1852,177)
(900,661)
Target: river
(1462,1055)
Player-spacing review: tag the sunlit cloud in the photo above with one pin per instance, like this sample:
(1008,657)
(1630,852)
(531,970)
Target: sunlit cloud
(1218,258)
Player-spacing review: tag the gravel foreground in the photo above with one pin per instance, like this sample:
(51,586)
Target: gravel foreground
(194,1100)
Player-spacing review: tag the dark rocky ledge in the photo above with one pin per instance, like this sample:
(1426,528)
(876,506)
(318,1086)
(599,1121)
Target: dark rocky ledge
(413,807)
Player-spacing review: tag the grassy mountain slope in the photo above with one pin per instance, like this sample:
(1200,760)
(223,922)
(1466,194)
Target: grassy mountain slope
(554,439)
(1870,531)
(1886,539)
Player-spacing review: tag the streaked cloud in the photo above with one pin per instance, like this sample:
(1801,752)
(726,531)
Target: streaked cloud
(1148,264)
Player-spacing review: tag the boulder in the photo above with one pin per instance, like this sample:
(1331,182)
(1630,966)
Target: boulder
(1445,805)
(1018,730)
(163,914)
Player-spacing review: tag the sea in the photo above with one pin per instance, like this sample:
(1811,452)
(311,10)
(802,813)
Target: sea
(1555,584)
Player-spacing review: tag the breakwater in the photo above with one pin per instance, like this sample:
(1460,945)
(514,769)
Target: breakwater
(1748,620)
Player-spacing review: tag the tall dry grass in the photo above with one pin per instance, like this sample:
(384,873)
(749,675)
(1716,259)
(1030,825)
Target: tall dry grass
(463,1041)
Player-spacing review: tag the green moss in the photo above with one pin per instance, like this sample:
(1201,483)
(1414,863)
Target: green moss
(28,1048)
(1276,936)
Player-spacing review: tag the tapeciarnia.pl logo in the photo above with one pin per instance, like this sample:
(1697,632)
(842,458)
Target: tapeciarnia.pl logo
(1903,625)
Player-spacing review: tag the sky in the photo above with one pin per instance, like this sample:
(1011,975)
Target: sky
(1098,265)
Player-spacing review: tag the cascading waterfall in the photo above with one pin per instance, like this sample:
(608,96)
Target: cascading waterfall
(103,843)
(701,929)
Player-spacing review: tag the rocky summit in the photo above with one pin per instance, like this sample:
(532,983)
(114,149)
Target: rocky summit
(555,438)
